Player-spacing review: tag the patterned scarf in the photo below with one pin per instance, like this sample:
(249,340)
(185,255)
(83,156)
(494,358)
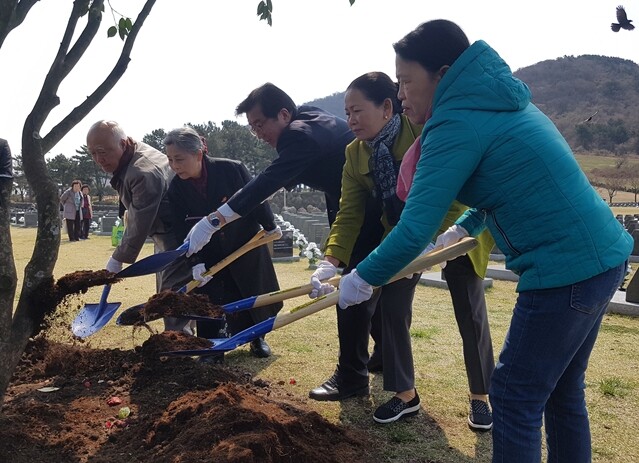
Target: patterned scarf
(385,169)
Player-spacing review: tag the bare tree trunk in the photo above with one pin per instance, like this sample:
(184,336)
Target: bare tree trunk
(38,274)
(8,276)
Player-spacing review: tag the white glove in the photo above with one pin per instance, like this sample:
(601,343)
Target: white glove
(197,272)
(199,236)
(450,236)
(113,266)
(428,249)
(276,231)
(322,290)
(324,271)
(353,289)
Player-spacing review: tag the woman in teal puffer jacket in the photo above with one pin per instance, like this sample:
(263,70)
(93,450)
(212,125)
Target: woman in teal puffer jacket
(487,145)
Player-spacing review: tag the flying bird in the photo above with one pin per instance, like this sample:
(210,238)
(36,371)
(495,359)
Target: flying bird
(590,118)
(623,21)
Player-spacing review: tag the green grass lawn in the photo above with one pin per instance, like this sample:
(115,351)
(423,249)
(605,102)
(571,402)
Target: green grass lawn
(306,351)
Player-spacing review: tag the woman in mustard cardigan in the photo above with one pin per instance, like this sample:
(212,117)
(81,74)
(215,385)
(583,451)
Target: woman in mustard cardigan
(370,173)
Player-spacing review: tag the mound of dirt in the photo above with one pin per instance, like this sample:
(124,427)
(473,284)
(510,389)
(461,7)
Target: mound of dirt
(180,411)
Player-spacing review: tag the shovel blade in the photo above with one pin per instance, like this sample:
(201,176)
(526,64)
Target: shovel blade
(154,263)
(227,344)
(219,345)
(92,318)
(131,316)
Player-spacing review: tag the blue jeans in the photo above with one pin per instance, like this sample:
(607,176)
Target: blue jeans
(541,371)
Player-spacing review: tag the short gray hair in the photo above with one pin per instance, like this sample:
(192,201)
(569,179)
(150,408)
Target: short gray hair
(112,126)
(185,138)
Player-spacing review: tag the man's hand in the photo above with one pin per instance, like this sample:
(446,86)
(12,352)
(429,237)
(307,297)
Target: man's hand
(200,235)
(353,289)
(113,266)
(197,271)
(450,236)
(324,271)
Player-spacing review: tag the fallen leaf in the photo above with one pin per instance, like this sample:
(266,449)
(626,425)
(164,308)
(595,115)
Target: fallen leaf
(124,412)
(49,389)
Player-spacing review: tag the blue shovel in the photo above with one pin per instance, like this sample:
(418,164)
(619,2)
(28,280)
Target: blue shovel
(434,257)
(253,302)
(153,263)
(93,317)
(135,313)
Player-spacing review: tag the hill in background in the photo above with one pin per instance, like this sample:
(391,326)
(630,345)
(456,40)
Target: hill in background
(570,90)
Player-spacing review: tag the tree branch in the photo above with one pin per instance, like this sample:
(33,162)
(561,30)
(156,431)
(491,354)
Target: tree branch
(79,112)
(12,13)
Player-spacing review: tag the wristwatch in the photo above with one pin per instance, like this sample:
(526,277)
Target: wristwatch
(214,220)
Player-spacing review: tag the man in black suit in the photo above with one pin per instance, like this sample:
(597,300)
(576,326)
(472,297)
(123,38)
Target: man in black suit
(310,144)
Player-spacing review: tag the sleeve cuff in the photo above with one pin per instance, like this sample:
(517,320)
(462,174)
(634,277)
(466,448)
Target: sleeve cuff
(229,214)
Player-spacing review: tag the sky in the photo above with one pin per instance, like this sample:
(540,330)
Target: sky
(195,60)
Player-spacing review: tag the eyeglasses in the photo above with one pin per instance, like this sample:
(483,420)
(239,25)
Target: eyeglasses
(257,127)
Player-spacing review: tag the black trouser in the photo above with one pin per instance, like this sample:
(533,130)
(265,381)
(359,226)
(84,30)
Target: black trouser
(73,227)
(354,323)
(469,303)
(392,303)
(86,226)
(353,328)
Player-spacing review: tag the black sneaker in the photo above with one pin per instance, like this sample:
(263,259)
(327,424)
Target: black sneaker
(395,409)
(333,389)
(480,418)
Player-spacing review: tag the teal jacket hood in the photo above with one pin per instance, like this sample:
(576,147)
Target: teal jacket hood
(481,80)
(493,86)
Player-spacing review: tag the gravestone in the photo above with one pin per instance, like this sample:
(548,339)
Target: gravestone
(282,247)
(107,224)
(306,227)
(632,290)
(30,219)
(635,237)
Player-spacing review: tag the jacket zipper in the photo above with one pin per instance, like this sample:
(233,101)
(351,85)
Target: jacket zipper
(501,231)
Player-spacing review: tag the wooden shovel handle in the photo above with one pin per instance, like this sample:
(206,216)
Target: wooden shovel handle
(279,296)
(434,257)
(258,240)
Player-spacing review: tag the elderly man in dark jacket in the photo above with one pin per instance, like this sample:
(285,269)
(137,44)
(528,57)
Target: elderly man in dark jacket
(141,176)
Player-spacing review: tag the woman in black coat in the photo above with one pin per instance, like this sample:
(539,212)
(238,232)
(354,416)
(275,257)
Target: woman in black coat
(202,184)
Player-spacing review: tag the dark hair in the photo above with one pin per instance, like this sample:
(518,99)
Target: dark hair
(376,87)
(85,186)
(271,100)
(433,44)
(76,181)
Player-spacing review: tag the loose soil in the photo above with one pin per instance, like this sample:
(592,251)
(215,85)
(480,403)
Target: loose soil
(50,294)
(82,280)
(181,410)
(169,304)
